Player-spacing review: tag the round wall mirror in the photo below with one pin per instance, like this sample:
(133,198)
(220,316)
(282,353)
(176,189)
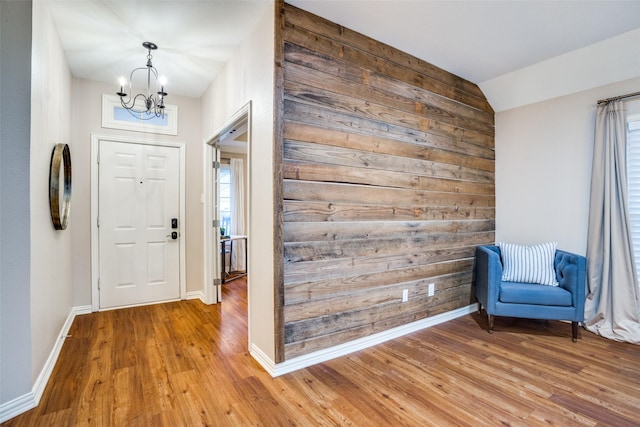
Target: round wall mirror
(60,172)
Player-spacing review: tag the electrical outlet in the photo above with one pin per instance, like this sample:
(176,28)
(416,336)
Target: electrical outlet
(432,289)
(405,295)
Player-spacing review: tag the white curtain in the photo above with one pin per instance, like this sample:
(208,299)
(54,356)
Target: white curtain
(612,308)
(237,215)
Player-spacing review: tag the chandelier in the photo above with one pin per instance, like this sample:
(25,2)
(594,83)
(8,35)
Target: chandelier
(150,104)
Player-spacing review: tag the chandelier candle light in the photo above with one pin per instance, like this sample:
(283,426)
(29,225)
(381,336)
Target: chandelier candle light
(149,105)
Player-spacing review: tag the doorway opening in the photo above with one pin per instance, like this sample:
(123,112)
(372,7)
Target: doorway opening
(227,199)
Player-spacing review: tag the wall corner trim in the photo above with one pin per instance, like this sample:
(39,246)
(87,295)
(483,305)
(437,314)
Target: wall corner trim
(264,360)
(30,400)
(360,344)
(197,295)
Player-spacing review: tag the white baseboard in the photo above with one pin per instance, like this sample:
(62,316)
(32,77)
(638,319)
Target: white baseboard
(264,360)
(197,295)
(30,400)
(17,406)
(277,369)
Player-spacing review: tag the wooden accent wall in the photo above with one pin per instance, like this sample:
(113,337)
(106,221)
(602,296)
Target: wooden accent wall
(387,184)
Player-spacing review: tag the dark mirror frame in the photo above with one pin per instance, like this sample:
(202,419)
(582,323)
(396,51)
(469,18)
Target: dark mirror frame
(60,207)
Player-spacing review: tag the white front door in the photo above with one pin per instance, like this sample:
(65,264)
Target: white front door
(138,196)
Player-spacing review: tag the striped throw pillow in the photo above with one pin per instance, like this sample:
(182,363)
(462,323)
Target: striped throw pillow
(529,264)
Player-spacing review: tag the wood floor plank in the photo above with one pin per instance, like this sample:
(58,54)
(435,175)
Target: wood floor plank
(189,364)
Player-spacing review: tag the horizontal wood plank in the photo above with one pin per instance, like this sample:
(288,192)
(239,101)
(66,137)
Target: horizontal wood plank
(339,303)
(335,231)
(305,171)
(304,211)
(337,48)
(329,286)
(306,95)
(346,36)
(311,344)
(382,163)
(342,193)
(383,145)
(300,277)
(320,116)
(352,72)
(316,84)
(319,250)
(365,315)
(327,47)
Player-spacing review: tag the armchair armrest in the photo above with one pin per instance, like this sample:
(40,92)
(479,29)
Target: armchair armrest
(488,276)
(571,274)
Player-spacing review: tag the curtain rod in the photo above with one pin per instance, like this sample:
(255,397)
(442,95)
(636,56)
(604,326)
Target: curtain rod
(615,98)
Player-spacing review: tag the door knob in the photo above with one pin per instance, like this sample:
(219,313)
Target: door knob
(173,235)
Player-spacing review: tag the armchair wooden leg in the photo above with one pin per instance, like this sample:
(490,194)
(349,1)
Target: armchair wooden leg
(574,331)
(491,319)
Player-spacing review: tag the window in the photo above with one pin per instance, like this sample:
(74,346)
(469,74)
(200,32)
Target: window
(225,197)
(120,114)
(116,117)
(633,183)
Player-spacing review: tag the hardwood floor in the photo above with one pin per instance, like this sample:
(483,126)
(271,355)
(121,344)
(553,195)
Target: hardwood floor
(186,364)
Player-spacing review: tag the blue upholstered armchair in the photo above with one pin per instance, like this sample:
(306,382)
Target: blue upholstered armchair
(527,300)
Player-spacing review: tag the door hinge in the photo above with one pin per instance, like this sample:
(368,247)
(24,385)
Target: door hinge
(98,222)
(217,282)
(216,223)
(216,165)
(98,284)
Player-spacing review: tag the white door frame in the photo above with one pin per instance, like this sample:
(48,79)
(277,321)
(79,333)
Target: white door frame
(95,244)
(211,238)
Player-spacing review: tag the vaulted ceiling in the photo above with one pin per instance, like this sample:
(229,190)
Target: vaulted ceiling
(103,38)
(478,39)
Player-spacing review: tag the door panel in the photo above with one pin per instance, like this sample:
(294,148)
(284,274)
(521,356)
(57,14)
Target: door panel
(138,195)
(217,265)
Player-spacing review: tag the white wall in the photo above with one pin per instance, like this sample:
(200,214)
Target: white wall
(51,257)
(87,120)
(15,242)
(248,76)
(543,167)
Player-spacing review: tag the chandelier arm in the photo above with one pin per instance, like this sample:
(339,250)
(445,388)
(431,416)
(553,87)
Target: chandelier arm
(155,76)
(153,104)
